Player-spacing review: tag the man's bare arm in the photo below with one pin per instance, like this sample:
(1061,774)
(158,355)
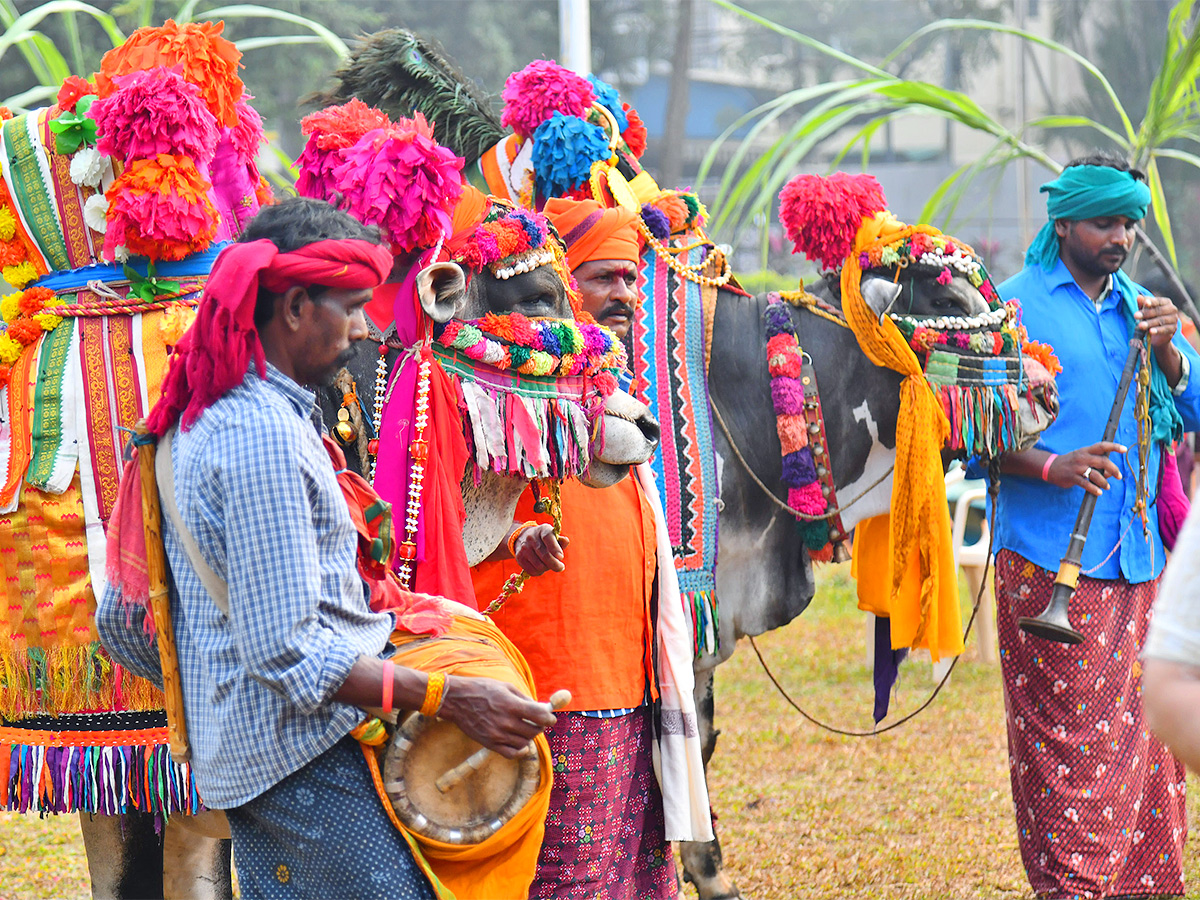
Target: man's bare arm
(1171,695)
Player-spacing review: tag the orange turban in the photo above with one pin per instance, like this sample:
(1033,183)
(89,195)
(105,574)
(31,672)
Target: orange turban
(592,231)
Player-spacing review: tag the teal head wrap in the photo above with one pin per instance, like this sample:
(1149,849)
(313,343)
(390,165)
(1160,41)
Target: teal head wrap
(1087,192)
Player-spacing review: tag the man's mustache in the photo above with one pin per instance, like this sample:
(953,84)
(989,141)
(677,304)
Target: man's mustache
(617,309)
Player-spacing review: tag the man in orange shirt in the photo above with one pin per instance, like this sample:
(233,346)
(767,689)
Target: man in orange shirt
(588,624)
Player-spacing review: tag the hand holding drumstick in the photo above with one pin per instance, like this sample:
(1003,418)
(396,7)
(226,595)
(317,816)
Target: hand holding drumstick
(455,776)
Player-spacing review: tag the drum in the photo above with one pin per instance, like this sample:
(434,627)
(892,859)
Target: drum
(423,749)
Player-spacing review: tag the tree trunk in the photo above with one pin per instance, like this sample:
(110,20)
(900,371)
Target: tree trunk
(675,127)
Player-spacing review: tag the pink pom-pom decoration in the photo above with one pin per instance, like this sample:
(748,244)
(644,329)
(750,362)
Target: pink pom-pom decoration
(542,88)
(401,179)
(823,215)
(155,111)
(160,208)
(331,132)
(247,136)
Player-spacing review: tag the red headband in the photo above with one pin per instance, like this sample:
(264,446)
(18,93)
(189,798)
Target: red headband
(215,352)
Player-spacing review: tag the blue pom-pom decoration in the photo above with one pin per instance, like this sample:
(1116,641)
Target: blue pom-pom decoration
(607,96)
(656,221)
(564,148)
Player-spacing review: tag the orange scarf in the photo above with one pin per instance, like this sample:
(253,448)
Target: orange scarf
(911,578)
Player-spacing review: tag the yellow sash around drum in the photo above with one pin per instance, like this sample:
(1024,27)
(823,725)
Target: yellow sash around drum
(482,837)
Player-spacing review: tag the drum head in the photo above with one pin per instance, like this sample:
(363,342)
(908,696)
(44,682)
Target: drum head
(421,751)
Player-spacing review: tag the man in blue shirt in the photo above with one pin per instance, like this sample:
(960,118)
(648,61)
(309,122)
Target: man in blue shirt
(1099,802)
(274,678)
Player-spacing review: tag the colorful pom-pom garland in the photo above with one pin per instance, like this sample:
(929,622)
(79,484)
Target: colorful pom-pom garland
(553,347)
(785,361)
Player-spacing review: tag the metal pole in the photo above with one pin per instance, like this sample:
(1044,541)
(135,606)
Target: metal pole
(575,35)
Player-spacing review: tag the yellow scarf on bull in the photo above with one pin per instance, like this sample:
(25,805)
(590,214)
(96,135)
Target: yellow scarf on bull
(903,562)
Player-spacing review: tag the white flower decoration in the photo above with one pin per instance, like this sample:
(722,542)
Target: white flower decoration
(87,166)
(95,212)
(121,253)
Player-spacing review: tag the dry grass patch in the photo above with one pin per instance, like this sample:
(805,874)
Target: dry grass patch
(920,813)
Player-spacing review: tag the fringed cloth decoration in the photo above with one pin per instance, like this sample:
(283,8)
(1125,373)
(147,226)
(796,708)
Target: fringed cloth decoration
(527,426)
(670,371)
(101,763)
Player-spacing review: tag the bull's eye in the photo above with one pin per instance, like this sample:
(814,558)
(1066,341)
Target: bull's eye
(942,303)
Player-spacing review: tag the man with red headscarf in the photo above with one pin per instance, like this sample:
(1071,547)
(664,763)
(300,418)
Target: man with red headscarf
(588,625)
(274,671)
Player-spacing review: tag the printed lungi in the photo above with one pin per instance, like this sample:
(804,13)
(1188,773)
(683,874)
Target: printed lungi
(1100,803)
(322,832)
(604,833)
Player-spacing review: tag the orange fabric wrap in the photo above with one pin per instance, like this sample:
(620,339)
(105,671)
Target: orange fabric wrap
(588,628)
(592,232)
(504,864)
(919,563)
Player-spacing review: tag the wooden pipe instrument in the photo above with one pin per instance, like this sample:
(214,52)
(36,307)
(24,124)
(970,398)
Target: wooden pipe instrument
(1053,623)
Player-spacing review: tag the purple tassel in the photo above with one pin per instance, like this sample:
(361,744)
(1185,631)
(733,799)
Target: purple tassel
(799,468)
(788,396)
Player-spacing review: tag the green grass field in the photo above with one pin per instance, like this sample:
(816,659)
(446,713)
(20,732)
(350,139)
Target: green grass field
(921,813)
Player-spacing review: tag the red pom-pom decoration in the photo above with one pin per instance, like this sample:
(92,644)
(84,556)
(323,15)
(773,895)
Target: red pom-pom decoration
(634,134)
(401,179)
(247,136)
(822,215)
(331,132)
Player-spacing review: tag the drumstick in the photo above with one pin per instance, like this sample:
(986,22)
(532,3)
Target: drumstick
(452,778)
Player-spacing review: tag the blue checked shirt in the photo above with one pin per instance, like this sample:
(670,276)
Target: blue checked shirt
(256,489)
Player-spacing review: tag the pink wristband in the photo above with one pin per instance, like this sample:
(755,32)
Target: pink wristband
(389,684)
(1046,466)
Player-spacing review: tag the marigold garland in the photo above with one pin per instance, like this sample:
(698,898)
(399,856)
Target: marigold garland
(24,323)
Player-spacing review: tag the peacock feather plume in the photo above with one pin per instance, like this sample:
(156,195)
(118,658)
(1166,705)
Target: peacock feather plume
(401,73)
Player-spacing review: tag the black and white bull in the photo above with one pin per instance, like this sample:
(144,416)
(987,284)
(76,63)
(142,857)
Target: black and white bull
(764,575)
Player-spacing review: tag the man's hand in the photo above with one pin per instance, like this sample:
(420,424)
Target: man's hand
(1088,468)
(538,550)
(494,713)
(1158,316)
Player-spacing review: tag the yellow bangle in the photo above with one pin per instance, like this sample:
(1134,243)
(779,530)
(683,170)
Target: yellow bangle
(512,538)
(435,690)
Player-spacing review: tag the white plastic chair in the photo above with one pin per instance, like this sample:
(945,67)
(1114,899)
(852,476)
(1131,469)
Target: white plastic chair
(973,560)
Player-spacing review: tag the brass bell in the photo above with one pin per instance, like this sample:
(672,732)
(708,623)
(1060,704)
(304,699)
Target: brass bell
(343,430)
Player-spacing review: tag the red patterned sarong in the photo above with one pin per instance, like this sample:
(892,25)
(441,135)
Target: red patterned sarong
(1100,803)
(604,832)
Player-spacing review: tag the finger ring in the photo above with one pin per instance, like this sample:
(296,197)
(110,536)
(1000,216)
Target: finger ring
(1087,473)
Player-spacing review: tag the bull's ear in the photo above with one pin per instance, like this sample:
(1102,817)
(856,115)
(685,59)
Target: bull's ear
(880,293)
(442,288)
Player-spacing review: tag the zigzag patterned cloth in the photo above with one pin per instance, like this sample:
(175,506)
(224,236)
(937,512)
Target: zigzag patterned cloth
(669,376)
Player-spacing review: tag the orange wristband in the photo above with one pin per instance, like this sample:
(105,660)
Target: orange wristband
(512,538)
(435,690)
(389,685)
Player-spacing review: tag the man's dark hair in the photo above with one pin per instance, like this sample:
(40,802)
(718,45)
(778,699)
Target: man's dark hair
(296,222)
(1109,159)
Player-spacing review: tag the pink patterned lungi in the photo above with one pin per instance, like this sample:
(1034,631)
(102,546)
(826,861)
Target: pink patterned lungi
(1100,803)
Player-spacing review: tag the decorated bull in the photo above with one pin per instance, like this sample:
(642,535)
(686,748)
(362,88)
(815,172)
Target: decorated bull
(911,349)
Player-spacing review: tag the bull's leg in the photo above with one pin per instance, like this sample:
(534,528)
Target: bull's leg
(195,867)
(125,856)
(702,861)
